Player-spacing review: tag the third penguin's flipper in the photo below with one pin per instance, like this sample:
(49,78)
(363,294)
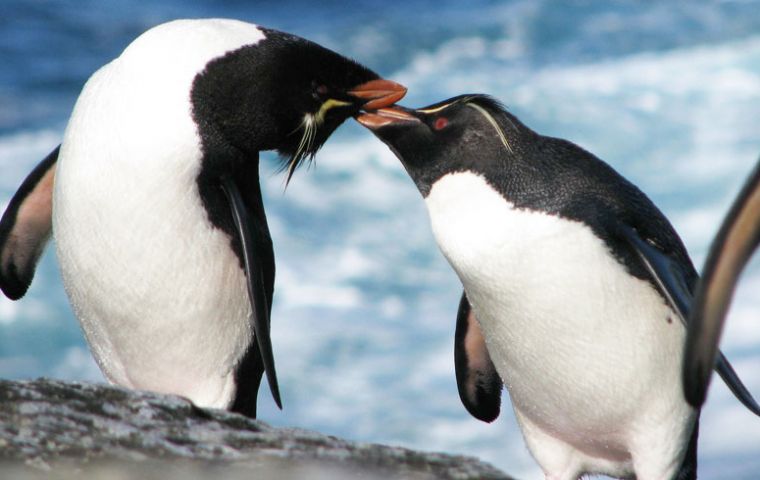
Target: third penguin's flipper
(733,246)
(25,228)
(478,382)
(254,247)
(671,282)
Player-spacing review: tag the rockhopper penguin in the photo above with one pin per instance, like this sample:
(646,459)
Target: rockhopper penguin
(575,290)
(154,201)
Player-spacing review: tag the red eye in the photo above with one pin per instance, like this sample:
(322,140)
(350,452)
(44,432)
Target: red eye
(321,89)
(440,123)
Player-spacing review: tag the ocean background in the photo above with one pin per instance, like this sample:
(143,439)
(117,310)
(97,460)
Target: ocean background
(364,312)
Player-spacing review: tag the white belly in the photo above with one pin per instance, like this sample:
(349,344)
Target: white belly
(586,351)
(160,295)
(162,301)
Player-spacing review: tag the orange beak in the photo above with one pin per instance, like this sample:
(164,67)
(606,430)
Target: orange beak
(379,93)
(386,116)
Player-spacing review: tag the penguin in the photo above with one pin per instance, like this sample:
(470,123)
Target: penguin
(574,284)
(732,248)
(154,201)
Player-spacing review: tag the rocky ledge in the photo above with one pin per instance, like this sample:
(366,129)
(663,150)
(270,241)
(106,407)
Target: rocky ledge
(66,430)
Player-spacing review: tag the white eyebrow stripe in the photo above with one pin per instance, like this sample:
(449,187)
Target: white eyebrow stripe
(493,123)
(436,109)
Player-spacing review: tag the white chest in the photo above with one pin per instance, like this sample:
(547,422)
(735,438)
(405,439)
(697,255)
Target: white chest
(581,345)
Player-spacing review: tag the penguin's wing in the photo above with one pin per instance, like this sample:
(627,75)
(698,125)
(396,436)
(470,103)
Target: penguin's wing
(257,252)
(478,382)
(671,281)
(25,228)
(737,239)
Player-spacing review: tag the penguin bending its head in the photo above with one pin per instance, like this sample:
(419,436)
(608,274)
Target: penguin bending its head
(576,288)
(154,200)
(731,249)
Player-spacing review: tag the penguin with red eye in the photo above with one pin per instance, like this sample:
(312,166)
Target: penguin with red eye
(155,204)
(576,290)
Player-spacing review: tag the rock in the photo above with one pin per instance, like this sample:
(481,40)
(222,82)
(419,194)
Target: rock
(55,429)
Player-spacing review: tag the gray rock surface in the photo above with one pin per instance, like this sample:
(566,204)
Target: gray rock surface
(55,429)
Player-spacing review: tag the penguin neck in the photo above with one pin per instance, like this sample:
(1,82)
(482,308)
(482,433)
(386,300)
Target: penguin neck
(501,166)
(512,160)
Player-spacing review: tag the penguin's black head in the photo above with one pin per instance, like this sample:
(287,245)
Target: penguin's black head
(462,133)
(284,93)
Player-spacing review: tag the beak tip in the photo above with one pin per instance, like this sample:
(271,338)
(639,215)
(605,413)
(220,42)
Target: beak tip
(385,101)
(379,93)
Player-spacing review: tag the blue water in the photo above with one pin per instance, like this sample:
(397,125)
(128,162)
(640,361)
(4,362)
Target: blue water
(667,92)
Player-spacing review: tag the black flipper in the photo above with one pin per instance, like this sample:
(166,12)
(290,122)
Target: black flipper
(478,382)
(669,278)
(736,241)
(256,245)
(26,227)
